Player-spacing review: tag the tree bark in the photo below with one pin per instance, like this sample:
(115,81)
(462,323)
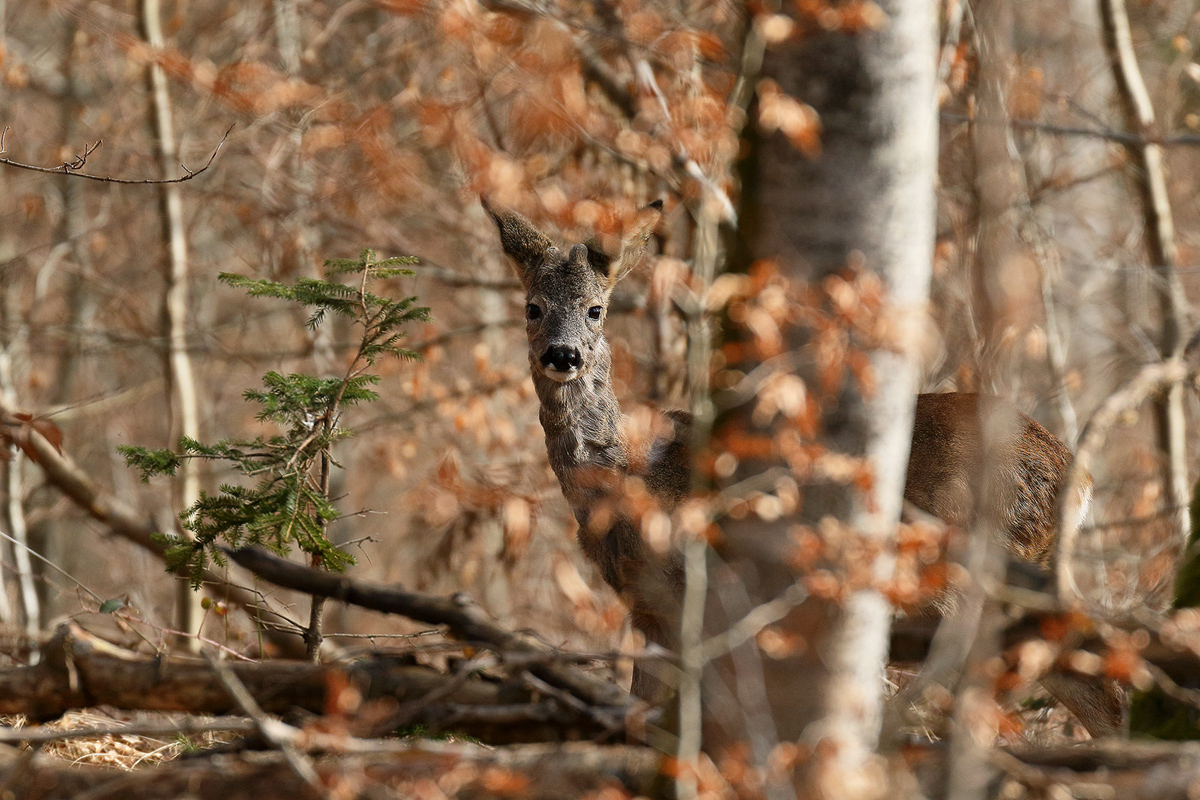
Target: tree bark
(530,772)
(78,670)
(867,198)
(185,415)
(1149,175)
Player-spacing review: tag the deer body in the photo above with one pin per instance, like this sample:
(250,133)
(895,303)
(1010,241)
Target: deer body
(1027,467)
(587,442)
(595,458)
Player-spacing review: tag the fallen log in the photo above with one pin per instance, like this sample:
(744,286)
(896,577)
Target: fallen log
(464,620)
(1129,770)
(1117,769)
(1176,654)
(531,772)
(78,670)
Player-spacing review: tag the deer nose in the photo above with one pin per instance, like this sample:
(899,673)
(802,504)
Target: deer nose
(562,358)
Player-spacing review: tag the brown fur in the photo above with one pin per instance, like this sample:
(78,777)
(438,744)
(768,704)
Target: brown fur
(1025,471)
(611,477)
(604,471)
(1028,467)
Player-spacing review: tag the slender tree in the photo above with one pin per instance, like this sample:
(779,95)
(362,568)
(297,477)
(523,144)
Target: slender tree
(841,194)
(185,414)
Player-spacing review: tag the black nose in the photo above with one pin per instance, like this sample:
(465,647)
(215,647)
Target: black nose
(562,358)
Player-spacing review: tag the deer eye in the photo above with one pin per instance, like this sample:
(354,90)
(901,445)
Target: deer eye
(594,312)
(532,312)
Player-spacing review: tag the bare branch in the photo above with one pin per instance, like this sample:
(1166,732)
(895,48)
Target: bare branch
(1151,380)
(1149,176)
(279,734)
(39,734)
(74,167)
(465,620)
(1131,139)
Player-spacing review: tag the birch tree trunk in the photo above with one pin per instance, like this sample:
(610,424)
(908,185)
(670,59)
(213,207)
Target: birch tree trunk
(1149,176)
(185,418)
(7,251)
(867,198)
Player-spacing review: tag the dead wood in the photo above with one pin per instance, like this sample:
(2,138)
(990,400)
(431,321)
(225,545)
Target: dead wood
(531,772)
(1110,768)
(464,620)
(911,639)
(78,670)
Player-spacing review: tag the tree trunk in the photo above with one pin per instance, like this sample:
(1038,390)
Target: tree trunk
(1149,176)
(867,200)
(185,416)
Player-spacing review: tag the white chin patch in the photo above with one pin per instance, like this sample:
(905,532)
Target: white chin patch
(560,376)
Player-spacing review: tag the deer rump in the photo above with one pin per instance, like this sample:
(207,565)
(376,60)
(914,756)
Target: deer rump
(974,455)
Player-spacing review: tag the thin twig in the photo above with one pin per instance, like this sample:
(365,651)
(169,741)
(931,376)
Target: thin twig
(754,622)
(1149,381)
(407,712)
(1187,139)
(279,734)
(73,168)
(44,733)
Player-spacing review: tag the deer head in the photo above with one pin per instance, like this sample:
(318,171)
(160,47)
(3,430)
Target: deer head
(567,293)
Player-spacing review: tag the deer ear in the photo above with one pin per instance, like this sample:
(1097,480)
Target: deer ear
(633,244)
(522,242)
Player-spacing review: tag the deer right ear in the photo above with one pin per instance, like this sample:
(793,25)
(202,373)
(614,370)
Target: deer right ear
(614,266)
(522,242)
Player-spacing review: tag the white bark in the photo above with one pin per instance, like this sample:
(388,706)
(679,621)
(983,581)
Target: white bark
(1150,177)
(184,406)
(867,198)
(859,648)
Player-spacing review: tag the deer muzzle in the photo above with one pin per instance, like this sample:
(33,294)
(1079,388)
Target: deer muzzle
(561,362)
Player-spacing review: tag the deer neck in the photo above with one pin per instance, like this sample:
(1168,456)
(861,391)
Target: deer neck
(582,421)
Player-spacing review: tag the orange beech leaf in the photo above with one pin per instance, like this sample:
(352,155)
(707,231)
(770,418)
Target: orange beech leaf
(778,643)
(404,8)
(341,695)
(505,782)
(455,26)
(48,430)
(744,446)
(863,15)
(823,584)
(1011,725)
(504,29)
(670,767)
(643,27)
(320,138)
(1054,629)
(1125,664)
(518,525)
(1007,681)
(935,578)
(806,549)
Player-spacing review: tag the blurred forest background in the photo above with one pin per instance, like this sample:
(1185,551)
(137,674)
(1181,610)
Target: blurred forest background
(378,123)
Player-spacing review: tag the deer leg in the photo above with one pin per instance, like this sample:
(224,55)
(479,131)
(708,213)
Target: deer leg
(649,681)
(1098,703)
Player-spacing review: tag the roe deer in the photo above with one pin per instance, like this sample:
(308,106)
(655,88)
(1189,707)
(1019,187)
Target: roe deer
(589,447)
(593,456)
(1026,468)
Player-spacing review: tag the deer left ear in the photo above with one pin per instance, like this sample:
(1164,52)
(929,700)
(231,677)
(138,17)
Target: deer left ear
(633,245)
